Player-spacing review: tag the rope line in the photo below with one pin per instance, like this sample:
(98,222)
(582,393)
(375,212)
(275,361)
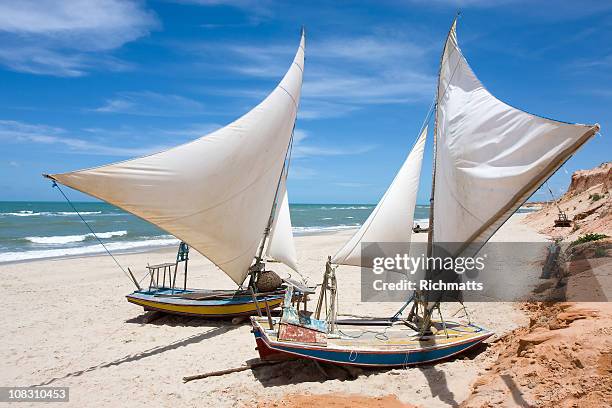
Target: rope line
(91,229)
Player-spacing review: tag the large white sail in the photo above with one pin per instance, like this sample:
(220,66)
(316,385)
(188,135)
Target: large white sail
(392,219)
(490,156)
(280,243)
(216,193)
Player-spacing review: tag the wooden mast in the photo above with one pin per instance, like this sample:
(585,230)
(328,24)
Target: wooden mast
(257,266)
(422,297)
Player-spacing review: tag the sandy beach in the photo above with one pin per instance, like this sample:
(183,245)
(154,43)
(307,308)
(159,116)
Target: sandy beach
(67,323)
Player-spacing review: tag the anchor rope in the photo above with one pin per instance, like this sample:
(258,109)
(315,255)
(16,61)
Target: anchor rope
(55,185)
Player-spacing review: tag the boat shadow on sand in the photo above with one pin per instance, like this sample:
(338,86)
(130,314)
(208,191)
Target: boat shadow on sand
(214,329)
(303,371)
(173,320)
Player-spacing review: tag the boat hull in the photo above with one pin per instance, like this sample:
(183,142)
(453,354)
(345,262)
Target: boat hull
(162,300)
(402,354)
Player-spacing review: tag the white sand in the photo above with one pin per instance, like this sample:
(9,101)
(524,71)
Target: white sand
(66,323)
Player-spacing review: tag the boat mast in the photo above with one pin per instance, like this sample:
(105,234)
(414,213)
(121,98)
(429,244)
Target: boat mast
(284,173)
(421,297)
(258,266)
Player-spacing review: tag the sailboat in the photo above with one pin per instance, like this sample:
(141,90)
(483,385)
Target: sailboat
(489,158)
(223,195)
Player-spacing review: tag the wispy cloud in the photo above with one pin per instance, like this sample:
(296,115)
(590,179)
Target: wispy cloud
(605,93)
(318,109)
(387,87)
(132,142)
(38,134)
(301,173)
(385,70)
(140,134)
(371,49)
(468,3)
(592,63)
(342,74)
(258,10)
(148,103)
(302,150)
(527,9)
(60,38)
(351,185)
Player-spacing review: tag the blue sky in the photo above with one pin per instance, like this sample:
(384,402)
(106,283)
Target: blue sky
(90,82)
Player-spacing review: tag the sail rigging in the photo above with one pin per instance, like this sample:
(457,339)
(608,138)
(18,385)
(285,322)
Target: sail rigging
(490,157)
(217,192)
(392,219)
(280,243)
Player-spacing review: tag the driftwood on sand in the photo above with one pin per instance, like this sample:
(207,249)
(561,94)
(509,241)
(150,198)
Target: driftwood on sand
(247,366)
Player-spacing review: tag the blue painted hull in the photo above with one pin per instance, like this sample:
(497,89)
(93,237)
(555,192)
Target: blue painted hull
(376,357)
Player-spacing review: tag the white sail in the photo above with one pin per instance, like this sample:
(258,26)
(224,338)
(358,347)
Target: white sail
(490,157)
(392,219)
(216,193)
(280,243)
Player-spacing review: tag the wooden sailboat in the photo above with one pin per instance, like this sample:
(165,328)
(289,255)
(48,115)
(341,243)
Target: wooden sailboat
(222,194)
(489,157)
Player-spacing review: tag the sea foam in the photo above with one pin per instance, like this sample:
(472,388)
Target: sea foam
(117,247)
(28,213)
(67,239)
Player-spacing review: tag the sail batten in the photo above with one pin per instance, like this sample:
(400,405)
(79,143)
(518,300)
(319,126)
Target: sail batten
(490,157)
(217,192)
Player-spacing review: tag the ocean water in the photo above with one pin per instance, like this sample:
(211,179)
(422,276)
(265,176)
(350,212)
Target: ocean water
(35,230)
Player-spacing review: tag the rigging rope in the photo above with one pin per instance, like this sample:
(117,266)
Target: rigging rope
(553,197)
(55,185)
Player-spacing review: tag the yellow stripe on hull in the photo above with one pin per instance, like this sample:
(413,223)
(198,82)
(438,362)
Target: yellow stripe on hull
(217,311)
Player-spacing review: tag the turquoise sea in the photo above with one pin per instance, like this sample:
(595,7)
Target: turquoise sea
(34,230)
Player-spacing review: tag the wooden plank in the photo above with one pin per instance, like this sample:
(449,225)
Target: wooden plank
(248,366)
(134,279)
(290,332)
(163,265)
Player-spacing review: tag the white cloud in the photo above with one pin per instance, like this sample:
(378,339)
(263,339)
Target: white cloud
(100,141)
(469,3)
(148,103)
(69,38)
(139,134)
(592,63)
(34,59)
(352,185)
(371,49)
(14,131)
(301,150)
(342,74)
(386,87)
(317,109)
(301,173)
(258,10)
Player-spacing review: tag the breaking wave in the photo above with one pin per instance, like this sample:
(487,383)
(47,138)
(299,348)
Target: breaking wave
(67,239)
(362,207)
(316,229)
(126,246)
(28,213)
